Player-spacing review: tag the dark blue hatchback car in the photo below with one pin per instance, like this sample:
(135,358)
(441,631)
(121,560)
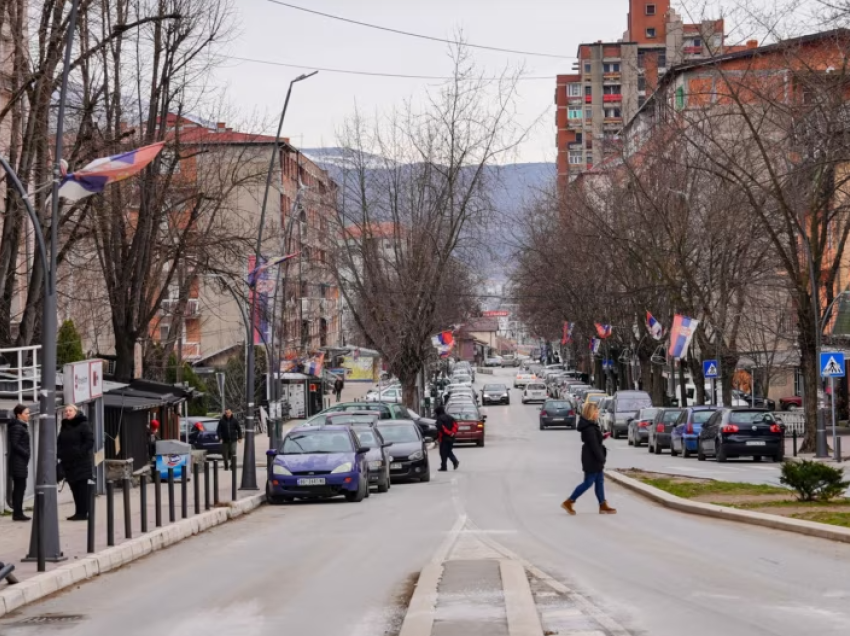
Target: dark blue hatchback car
(318,462)
(685,433)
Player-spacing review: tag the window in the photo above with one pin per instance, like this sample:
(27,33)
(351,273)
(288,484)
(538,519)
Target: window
(578,138)
(611,90)
(576,158)
(662,59)
(588,114)
(611,67)
(574,113)
(680,98)
(323,332)
(612,113)
(641,83)
(697,42)
(587,67)
(650,33)
(650,9)
(588,91)
(574,90)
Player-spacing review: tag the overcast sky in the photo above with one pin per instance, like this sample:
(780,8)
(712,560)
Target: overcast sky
(320,104)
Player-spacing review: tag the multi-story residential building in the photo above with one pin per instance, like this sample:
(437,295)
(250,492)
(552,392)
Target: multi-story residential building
(611,80)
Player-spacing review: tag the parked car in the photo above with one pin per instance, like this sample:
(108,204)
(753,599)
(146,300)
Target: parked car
(462,378)
(378,457)
(739,398)
(460,389)
(408,453)
(791,403)
(625,407)
(318,462)
(390,394)
(660,429)
(203,434)
(427,426)
(510,360)
(493,361)
(557,413)
(741,432)
(638,431)
(522,379)
(372,394)
(605,414)
(463,366)
(685,434)
(495,394)
(590,404)
(534,392)
(470,423)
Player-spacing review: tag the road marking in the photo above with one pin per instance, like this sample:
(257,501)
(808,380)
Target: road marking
(520,609)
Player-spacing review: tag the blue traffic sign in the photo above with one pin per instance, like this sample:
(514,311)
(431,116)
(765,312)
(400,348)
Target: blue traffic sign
(710,369)
(832,364)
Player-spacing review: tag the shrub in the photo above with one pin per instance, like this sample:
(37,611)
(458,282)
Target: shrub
(813,480)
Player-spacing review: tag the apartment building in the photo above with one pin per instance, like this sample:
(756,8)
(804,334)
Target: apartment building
(611,80)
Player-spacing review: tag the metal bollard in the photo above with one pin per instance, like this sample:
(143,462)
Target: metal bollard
(143,501)
(128,518)
(838,449)
(6,570)
(184,492)
(39,531)
(196,473)
(233,484)
(110,514)
(215,482)
(794,440)
(157,498)
(171,515)
(90,548)
(206,485)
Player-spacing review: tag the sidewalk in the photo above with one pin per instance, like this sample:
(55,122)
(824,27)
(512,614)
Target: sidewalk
(15,536)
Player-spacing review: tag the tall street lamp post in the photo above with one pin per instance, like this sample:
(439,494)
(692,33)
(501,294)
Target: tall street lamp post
(249,458)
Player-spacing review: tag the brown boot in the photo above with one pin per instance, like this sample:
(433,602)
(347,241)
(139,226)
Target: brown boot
(568,506)
(605,509)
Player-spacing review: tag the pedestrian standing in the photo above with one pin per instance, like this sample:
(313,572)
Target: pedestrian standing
(229,432)
(446,431)
(593,455)
(75,449)
(153,437)
(338,386)
(19,459)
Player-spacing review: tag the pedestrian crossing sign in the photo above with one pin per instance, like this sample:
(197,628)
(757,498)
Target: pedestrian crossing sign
(710,369)
(832,364)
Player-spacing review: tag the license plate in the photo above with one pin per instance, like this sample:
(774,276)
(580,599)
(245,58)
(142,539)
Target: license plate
(557,419)
(756,444)
(315,481)
(395,466)
(465,428)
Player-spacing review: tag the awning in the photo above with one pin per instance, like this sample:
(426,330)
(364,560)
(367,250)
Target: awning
(130,402)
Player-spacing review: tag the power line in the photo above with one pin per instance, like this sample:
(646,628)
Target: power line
(419,35)
(441,78)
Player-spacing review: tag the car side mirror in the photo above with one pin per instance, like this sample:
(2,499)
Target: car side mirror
(484,416)
(428,440)
(386,444)
(272,452)
(363,449)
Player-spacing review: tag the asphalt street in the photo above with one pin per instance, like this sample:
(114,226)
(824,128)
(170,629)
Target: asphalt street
(344,568)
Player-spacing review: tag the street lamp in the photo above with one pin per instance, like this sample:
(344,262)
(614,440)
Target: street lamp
(249,477)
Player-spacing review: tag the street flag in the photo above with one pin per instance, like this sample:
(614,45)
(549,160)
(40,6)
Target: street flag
(594,345)
(93,178)
(567,338)
(254,274)
(680,335)
(603,330)
(443,339)
(315,365)
(654,327)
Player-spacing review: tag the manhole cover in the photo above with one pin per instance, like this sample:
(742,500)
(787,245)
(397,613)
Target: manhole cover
(50,619)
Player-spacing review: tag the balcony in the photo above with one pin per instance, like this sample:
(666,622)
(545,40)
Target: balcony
(615,121)
(191,310)
(191,351)
(692,50)
(612,98)
(611,77)
(588,99)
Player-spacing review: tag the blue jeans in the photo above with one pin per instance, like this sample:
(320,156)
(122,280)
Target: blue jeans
(591,479)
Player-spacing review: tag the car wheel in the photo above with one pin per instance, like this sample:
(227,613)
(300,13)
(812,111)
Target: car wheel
(384,484)
(700,452)
(779,457)
(542,428)
(673,451)
(360,494)
(649,447)
(426,476)
(629,440)
(686,453)
(720,455)
(658,449)
(756,458)
(480,443)
(275,500)
(637,442)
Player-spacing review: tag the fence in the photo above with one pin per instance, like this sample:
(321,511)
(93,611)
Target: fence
(794,421)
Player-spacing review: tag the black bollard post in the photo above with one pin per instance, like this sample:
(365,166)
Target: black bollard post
(128,514)
(206,485)
(233,483)
(215,482)
(157,498)
(91,518)
(838,449)
(171,515)
(143,501)
(196,473)
(794,440)
(110,514)
(184,491)
(39,531)
(6,572)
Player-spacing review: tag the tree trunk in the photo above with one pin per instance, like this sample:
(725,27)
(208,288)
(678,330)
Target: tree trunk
(410,392)
(657,383)
(124,356)
(810,393)
(683,388)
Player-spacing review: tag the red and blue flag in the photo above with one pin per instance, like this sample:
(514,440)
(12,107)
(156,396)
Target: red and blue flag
(93,178)
(603,331)
(656,330)
(681,334)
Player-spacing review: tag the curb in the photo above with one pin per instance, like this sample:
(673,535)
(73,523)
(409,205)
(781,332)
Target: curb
(419,618)
(799,526)
(65,576)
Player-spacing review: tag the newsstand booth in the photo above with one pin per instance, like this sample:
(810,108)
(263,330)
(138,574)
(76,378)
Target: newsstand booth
(303,393)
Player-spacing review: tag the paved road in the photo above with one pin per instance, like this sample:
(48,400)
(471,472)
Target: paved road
(339,568)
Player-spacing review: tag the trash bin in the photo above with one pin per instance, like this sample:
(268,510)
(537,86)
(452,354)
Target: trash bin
(173,454)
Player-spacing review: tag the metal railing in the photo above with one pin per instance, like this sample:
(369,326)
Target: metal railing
(794,421)
(20,373)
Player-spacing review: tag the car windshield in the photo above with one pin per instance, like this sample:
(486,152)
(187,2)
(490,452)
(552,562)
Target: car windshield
(647,414)
(595,398)
(631,405)
(558,405)
(316,443)
(350,419)
(701,417)
(366,436)
(494,387)
(465,415)
(400,433)
(751,417)
(671,416)
(210,426)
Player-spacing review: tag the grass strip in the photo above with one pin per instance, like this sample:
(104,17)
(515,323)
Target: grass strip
(832,518)
(689,490)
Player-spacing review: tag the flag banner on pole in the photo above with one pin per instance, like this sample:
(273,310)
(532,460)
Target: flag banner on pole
(567,336)
(444,338)
(261,293)
(656,330)
(594,345)
(681,334)
(315,365)
(93,178)
(603,331)
(254,274)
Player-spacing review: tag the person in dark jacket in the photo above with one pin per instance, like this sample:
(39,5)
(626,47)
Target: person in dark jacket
(446,431)
(19,459)
(338,386)
(229,432)
(593,454)
(75,448)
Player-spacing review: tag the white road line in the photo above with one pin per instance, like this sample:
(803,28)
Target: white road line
(521,611)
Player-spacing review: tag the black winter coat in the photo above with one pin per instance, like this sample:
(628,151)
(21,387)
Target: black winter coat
(593,452)
(19,449)
(75,448)
(228,429)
